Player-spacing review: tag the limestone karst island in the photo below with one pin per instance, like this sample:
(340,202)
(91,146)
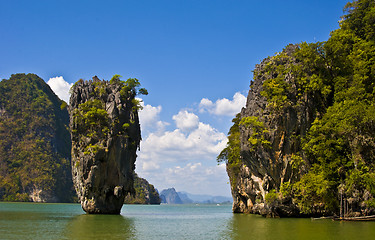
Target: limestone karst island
(105,137)
(303,146)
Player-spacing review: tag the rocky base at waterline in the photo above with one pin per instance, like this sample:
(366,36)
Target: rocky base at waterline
(105,134)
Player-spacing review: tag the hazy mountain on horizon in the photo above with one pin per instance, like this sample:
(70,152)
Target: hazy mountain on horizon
(202,198)
(171,196)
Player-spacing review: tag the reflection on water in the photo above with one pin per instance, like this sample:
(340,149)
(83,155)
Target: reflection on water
(179,221)
(87,226)
(35,221)
(68,221)
(244,226)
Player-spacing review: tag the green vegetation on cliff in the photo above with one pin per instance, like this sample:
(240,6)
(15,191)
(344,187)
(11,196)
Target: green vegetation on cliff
(258,131)
(91,119)
(145,193)
(105,137)
(231,154)
(340,145)
(34,142)
(334,83)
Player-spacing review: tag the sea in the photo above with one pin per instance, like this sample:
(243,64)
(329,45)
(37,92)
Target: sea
(197,221)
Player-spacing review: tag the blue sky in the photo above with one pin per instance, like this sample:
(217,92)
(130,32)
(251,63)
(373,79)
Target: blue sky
(194,57)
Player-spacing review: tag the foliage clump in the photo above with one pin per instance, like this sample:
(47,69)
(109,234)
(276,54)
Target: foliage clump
(258,132)
(129,89)
(295,75)
(231,155)
(91,119)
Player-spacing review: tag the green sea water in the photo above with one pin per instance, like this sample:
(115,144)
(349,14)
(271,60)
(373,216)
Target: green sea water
(68,221)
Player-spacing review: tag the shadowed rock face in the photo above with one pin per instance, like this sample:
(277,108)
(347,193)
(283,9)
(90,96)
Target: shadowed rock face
(105,136)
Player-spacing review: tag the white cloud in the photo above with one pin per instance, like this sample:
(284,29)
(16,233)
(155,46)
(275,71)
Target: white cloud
(193,177)
(149,114)
(185,161)
(149,118)
(203,143)
(223,107)
(186,121)
(183,157)
(206,103)
(147,166)
(60,87)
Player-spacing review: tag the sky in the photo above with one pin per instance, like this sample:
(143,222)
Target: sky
(195,58)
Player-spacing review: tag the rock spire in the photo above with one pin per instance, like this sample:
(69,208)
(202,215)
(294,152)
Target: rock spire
(105,134)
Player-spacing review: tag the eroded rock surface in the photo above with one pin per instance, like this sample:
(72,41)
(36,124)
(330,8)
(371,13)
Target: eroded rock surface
(265,168)
(105,136)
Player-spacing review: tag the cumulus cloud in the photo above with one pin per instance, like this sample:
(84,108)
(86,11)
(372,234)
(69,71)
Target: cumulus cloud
(185,160)
(60,87)
(147,166)
(193,177)
(148,114)
(204,143)
(224,106)
(183,157)
(149,118)
(186,121)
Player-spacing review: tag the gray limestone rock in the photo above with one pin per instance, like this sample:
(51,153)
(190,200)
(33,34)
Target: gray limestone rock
(170,196)
(267,168)
(105,135)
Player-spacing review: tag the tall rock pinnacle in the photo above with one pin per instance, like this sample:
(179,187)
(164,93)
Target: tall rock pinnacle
(105,137)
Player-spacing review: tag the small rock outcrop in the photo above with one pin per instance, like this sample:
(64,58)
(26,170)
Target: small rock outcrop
(105,135)
(145,193)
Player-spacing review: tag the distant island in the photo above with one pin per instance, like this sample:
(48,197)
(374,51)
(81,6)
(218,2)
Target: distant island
(170,196)
(145,193)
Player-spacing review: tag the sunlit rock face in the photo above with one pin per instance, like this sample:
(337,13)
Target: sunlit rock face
(105,134)
(267,167)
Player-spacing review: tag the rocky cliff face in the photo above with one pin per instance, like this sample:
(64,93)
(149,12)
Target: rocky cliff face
(269,137)
(105,137)
(304,143)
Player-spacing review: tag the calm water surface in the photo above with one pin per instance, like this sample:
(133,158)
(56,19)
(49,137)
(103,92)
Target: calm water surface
(68,221)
